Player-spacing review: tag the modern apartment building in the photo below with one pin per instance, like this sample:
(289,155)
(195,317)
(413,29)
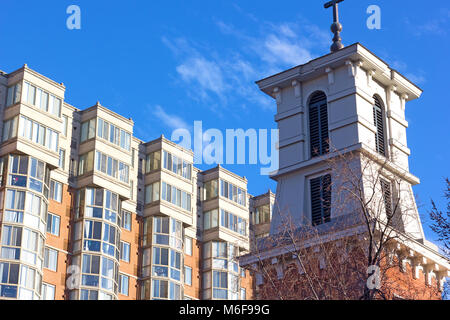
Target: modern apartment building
(90,212)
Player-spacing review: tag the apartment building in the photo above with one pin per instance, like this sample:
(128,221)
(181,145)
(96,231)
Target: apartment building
(90,212)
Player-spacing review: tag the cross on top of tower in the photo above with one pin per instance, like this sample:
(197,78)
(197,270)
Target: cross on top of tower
(336,27)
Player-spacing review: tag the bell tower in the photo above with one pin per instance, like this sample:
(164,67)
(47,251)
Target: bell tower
(347,100)
(344,173)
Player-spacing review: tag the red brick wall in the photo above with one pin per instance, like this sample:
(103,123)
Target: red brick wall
(131,269)
(193,261)
(60,243)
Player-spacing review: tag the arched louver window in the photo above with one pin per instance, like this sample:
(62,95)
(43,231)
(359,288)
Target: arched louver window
(378,116)
(318,124)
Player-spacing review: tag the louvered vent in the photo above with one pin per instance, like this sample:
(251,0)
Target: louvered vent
(318,125)
(320,200)
(378,117)
(387,197)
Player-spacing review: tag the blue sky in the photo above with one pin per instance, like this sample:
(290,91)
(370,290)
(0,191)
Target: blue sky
(168,63)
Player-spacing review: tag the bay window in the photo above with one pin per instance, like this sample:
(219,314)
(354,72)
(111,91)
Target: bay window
(13,95)
(177,165)
(232,192)
(153,162)
(88,130)
(113,134)
(211,189)
(152,193)
(211,219)
(10,129)
(38,133)
(41,99)
(176,196)
(111,167)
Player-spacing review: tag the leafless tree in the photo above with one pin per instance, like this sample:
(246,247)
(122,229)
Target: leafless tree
(441,222)
(373,210)
(441,226)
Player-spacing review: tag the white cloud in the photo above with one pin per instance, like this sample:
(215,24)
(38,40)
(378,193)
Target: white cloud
(171,121)
(286,30)
(402,67)
(279,50)
(207,74)
(438,26)
(399,65)
(225,80)
(417,79)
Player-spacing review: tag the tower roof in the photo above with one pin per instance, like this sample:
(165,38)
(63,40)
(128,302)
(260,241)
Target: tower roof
(356,52)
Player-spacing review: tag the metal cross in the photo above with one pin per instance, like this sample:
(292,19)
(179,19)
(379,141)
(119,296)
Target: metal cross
(336,27)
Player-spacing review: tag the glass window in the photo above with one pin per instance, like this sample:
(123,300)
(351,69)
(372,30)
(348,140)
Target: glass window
(124,251)
(211,188)
(86,163)
(91,264)
(15,200)
(124,282)
(14,93)
(111,167)
(175,196)
(50,259)
(9,129)
(152,193)
(11,236)
(220,284)
(54,106)
(41,99)
(232,222)
(62,158)
(188,275)
(211,219)
(153,161)
(38,133)
(65,124)
(27,277)
(232,192)
(30,93)
(113,134)
(160,289)
(48,292)
(88,130)
(123,172)
(125,221)
(188,246)
(177,165)
(262,214)
(53,223)
(92,229)
(56,191)
(88,294)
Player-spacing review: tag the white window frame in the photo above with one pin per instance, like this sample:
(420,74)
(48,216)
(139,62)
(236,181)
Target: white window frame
(186,280)
(54,266)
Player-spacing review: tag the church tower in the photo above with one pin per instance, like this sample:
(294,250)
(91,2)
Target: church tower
(347,101)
